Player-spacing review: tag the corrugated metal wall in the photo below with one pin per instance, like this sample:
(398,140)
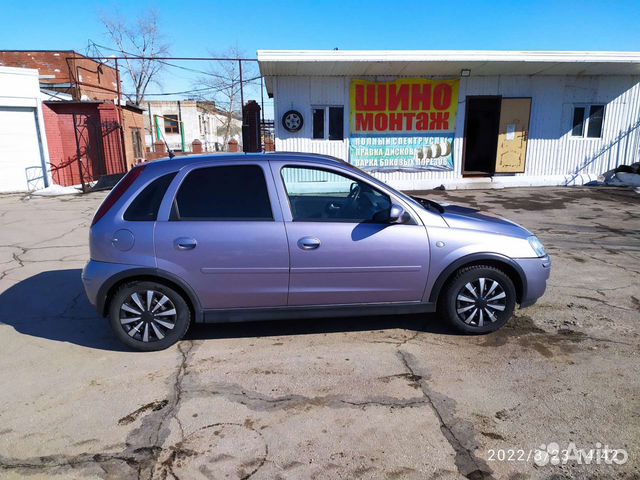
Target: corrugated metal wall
(551,151)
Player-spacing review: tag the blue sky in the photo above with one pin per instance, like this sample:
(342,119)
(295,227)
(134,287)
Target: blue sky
(198,28)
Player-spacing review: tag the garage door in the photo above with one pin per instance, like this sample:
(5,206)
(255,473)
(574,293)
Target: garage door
(19,148)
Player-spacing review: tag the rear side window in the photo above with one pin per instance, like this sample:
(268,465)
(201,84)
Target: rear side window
(223,193)
(145,206)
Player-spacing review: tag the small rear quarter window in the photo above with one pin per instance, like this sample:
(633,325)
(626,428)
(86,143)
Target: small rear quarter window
(145,206)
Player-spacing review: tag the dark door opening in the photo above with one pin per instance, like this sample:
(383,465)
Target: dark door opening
(482,122)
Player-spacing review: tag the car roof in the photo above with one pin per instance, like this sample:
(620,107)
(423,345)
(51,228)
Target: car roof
(176,163)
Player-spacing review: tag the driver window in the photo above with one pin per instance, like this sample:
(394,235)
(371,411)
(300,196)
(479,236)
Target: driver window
(317,195)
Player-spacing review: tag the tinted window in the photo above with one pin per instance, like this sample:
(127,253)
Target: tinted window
(321,196)
(146,205)
(578,122)
(318,123)
(596,115)
(224,193)
(336,123)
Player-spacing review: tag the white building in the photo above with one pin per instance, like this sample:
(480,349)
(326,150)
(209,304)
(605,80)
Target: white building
(418,119)
(24,157)
(180,122)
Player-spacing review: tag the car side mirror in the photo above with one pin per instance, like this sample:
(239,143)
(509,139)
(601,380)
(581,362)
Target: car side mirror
(397,214)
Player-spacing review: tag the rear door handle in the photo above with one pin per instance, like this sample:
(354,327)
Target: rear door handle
(185,243)
(308,243)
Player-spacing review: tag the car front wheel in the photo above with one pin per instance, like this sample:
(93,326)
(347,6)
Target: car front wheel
(479,299)
(149,316)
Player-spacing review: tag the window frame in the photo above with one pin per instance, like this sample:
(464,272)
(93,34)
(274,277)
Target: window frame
(392,200)
(586,119)
(170,129)
(326,127)
(136,140)
(173,191)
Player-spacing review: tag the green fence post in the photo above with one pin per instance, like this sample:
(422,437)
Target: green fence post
(158,134)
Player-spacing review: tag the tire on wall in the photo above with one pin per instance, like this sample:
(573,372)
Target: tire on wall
(478,299)
(148,316)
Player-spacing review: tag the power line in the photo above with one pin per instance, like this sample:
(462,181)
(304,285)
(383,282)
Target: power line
(181,67)
(128,56)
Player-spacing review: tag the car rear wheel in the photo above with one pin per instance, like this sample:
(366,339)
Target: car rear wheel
(479,299)
(149,316)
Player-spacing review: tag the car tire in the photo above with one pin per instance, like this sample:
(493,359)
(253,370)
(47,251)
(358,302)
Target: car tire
(149,316)
(471,311)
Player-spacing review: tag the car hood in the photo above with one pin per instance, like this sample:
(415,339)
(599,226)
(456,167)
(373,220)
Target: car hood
(471,219)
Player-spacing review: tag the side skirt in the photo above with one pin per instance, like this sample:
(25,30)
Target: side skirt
(315,311)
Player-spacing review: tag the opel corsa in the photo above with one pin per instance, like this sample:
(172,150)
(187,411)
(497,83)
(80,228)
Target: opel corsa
(229,238)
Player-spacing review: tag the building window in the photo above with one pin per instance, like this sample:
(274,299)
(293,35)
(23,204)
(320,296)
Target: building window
(318,122)
(171,124)
(587,121)
(328,123)
(137,143)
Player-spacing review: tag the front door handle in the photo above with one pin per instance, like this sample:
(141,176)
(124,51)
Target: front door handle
(308,243)
(185,243)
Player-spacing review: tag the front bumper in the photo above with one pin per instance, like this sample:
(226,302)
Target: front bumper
(536,273)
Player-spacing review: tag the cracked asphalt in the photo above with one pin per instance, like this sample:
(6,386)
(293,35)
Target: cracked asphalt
(383,397)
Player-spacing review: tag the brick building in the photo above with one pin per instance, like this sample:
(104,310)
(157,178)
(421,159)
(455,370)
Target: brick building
(90,133)
(67,71)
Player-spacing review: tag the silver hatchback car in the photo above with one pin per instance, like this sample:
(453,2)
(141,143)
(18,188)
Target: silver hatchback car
(228,238)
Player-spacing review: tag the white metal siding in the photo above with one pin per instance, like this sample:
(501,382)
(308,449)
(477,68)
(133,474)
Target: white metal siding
(551,151)
(24,159)
(19,147)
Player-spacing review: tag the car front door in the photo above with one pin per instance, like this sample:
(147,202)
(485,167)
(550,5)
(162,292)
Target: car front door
(343,249)
(221,231)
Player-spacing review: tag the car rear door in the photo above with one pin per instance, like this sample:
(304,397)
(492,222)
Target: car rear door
(221,230)
(340,253)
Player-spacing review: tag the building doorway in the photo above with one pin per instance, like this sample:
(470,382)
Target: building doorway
(512,135)
(495,136)
(482,123)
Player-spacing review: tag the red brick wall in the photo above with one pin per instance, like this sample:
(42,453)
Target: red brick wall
(111,139)
(61,138)
(132,120)
(54,139)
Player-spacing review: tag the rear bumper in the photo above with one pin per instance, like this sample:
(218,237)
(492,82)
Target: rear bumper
(536,273)
(95,275)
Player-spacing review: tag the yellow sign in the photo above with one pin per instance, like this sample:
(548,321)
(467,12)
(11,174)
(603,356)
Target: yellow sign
(406,106)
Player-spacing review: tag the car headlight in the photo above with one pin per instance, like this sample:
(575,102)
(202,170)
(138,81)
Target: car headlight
(537,246)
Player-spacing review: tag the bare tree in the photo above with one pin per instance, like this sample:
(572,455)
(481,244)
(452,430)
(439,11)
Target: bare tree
(223,83)
(140,39)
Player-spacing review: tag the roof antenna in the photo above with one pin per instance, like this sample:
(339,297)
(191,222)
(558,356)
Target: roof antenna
(169,151)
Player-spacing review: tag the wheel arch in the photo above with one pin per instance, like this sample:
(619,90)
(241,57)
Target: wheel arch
(506,264)
(111,286)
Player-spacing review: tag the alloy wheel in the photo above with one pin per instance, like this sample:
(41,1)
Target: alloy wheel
(480,301)
(148,315)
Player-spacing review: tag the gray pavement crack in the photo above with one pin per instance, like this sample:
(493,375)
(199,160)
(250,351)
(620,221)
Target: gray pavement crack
(259,402)
(144,447)
(603,302)
(16,258)
(459,434)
